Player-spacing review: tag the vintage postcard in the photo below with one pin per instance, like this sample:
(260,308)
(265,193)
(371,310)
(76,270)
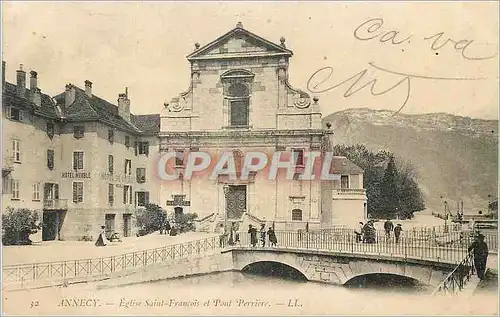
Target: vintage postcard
(249,158)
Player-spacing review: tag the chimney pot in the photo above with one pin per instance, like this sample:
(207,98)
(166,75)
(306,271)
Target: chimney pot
(37,97)
(88,88)
(33,80)
(69,95)
(21,81)
(124,106)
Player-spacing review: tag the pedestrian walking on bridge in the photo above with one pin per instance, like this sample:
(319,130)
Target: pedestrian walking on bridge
(397,232)
(480,251)
(388,226)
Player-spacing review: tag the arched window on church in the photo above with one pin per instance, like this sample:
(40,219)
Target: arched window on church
(239,100)
(297,214)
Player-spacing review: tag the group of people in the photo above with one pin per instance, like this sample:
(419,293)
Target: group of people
(167,228)
(270,233)
(102,240)
(367,233)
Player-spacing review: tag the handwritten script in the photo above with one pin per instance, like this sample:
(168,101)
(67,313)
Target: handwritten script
(321,80)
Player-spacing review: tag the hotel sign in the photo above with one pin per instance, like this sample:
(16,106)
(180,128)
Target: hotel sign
(75,175)
(118,178)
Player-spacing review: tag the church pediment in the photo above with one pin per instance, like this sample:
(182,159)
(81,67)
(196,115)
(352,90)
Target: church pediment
(239,43)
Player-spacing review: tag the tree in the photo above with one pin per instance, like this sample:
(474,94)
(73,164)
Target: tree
(186,222)
(17,226)
(151,218)
(390,183)
(389,191)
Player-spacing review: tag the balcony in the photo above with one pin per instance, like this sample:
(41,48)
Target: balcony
(8,165)
(346,193)
(55,204)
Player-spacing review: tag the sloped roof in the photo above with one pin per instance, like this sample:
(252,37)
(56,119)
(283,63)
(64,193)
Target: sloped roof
(11,98)
(342,165)
(148,123)
(255,40)
(94,108)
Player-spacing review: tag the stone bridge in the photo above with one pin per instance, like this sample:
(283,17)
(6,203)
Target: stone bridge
(339,268)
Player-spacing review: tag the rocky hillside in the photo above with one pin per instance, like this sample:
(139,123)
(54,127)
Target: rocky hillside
(455,157)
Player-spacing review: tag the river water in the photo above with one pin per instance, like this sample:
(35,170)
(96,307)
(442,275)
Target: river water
(235,293)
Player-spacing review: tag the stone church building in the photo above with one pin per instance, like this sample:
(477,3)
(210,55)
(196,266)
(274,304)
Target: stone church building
(240,99)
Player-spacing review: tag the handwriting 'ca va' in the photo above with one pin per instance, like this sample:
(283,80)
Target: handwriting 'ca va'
(371,30)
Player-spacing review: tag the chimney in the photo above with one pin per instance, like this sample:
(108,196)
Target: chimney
(21,81)
(3,75)
(37,97)
(69,95)
(33,80)
(124,105)
(88,88)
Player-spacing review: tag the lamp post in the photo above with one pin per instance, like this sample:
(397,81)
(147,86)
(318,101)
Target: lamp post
(226,192)
(445,216)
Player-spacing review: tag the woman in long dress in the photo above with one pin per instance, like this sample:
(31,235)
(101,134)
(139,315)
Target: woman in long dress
(100,240)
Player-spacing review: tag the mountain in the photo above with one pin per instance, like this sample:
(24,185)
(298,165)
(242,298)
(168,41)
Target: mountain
(455,157)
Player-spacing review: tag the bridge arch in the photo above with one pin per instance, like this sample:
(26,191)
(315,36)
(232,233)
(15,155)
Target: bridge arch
(275,268)
(383,279)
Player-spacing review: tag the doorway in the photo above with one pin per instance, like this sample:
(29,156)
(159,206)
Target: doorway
(236,201)
(127,225)
(109,225)
(178,212)
(50,227)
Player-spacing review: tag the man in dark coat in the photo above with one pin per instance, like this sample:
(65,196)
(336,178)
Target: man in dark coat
(253,235)
(480,250)
(397,232)
(272,237)
(388,226)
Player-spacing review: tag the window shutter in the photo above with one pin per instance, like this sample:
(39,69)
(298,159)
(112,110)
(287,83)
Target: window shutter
(146,150)
(75,193)
(146,197)
(130,195)
(80,192)
(125,189)
(75,160)
(135,147)
(56,191)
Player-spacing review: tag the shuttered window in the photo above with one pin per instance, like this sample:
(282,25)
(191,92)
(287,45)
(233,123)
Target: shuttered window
(78,160)
(111,164)
(140,173)
(50,159)
(77,192)
(111,194)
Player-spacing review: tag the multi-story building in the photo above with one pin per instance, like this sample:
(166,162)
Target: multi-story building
(80,160)
(84,162)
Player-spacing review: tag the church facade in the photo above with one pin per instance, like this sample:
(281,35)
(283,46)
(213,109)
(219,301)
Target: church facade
(240,100)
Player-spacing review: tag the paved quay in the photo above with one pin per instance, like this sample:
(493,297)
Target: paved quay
(78,250)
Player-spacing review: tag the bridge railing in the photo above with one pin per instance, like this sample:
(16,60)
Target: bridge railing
(456,280)
(449,247)
(64,270)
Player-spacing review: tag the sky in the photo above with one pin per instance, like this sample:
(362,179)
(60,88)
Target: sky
(143,46)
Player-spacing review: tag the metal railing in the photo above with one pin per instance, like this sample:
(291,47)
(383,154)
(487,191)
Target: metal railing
(55,204)
(64,270)
(450,247)
(456,280)
(349,191)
